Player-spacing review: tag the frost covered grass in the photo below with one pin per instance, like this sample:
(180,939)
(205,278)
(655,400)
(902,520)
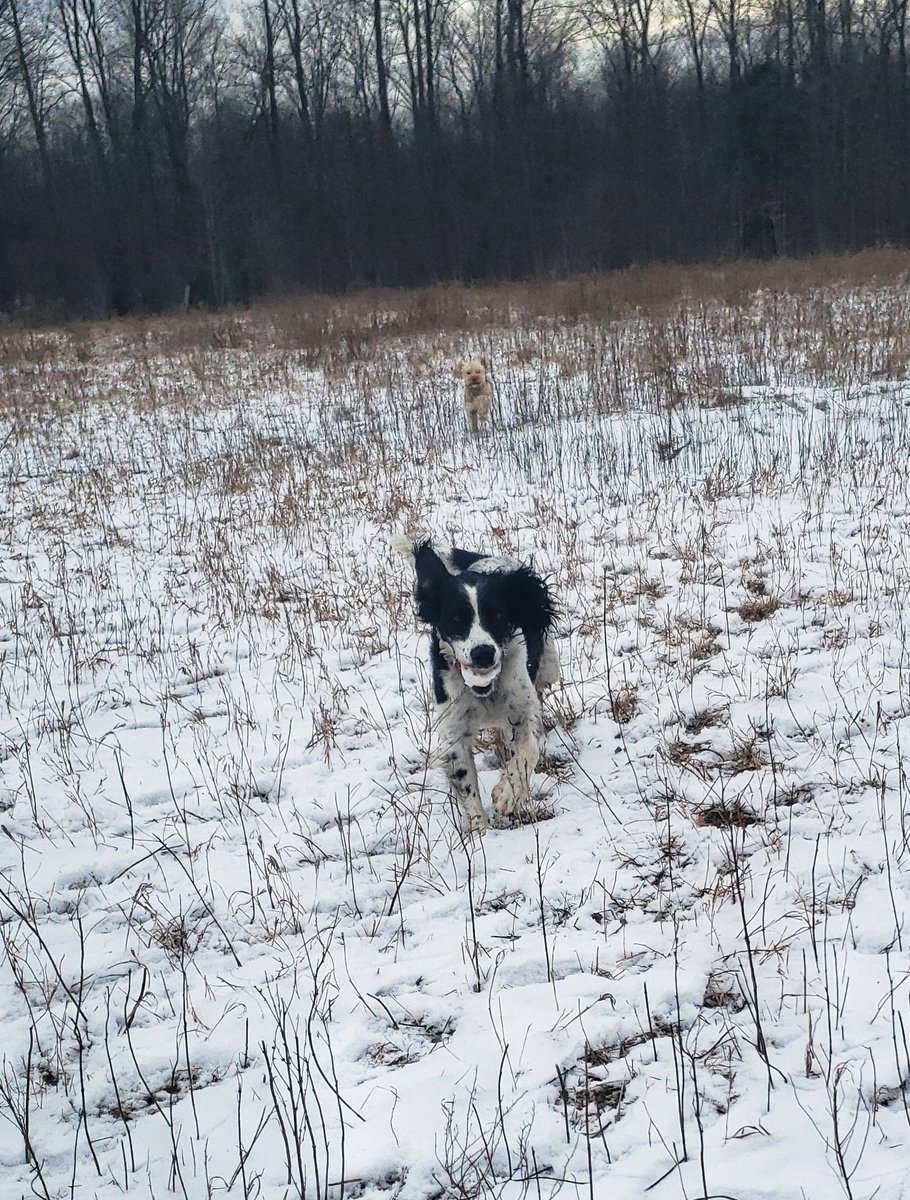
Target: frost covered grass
(246,951)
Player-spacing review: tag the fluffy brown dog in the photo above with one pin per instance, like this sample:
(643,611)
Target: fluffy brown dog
(478,395)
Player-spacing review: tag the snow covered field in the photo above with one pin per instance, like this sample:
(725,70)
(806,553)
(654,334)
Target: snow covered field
(246,952)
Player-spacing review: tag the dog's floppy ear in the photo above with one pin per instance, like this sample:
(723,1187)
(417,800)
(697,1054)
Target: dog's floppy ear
(431,573)
(485,359)
(458,369)
(530,604)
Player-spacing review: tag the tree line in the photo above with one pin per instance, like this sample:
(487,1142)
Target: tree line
(155,153)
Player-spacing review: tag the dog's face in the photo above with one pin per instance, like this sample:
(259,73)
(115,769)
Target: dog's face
(472,370)
(472,613)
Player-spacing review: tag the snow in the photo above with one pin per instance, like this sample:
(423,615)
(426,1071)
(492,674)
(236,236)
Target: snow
(247,951)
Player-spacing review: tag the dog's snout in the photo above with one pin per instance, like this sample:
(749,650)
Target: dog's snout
(483,656)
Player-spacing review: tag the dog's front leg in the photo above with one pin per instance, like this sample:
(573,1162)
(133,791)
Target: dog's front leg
(513,791)
(456,755)
(464,786)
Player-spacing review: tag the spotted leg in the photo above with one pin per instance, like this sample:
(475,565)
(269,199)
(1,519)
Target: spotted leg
(514,788)
(456,755)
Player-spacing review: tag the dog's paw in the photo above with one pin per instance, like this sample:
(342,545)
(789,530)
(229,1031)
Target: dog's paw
(475,823)
(507,799)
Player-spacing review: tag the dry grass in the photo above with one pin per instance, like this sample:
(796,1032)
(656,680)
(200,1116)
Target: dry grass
(624,704)
(707,718)
(782,313)
(758,608)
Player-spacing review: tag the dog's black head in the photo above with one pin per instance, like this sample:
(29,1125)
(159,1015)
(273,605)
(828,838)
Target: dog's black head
(476,604)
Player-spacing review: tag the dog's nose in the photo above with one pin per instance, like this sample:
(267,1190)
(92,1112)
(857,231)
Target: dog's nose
(483,656)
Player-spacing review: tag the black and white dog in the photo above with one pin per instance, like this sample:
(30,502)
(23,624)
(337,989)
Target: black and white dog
(492,655)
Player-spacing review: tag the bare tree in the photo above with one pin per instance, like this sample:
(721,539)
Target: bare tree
(694,16)
(179,35)
(730,20)
(26,33)
(382,83)
(313,32)
(632,33)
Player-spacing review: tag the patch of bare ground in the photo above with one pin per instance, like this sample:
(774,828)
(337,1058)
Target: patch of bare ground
(530,814)
(724,815)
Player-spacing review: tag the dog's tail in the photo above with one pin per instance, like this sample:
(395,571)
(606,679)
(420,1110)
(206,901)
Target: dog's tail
(405,543)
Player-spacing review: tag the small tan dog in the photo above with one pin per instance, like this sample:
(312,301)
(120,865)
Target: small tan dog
(478,395)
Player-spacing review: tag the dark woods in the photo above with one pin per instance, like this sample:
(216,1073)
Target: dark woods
(155,153)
